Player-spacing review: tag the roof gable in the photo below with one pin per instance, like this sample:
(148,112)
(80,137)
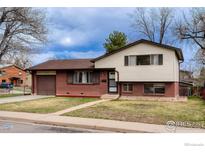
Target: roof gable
(178,51)
(4,66)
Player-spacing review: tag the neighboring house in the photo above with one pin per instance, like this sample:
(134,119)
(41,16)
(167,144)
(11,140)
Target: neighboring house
(142,68)
(186,83)
(10,73)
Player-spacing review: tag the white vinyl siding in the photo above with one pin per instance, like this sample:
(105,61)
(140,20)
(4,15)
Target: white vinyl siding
(168,72)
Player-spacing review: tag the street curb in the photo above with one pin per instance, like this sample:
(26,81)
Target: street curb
(96,124)
(111,129)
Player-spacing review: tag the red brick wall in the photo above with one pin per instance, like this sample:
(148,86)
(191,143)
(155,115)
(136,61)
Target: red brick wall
(87,90)
(12,71)
(96,90)
(171,90)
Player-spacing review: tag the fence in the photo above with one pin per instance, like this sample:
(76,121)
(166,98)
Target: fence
(25,90)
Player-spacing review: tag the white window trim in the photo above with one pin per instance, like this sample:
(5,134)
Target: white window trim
(152,61)
(85,77)
(127,89)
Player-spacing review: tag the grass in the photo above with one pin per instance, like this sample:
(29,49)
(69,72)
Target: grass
(9,95)
(45,105)
(146,111)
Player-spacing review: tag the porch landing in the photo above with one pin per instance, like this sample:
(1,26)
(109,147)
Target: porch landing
(110,96)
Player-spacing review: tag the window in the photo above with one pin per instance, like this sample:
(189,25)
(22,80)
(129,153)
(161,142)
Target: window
(82,77)
(154,88)
(127,87)
(3,81)
(156,59)
(143,60)
(133,60)
(2,73)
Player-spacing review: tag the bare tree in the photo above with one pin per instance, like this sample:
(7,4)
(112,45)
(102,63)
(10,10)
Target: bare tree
(192,28)
(21,29)
(20,58)
(153,23)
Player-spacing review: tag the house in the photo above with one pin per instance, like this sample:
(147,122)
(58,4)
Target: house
(141,68)
(10,73)
(186,83)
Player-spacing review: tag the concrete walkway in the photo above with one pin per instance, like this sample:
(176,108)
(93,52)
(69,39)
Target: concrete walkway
(21,98)
(80,107)
(99,124)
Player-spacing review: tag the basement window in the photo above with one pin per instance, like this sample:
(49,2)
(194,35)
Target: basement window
(127,87)
(154,88)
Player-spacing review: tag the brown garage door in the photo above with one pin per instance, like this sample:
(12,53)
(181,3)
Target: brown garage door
(46,85)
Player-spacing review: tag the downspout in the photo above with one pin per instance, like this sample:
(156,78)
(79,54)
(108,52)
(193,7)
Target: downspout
(119,85)
(179,76)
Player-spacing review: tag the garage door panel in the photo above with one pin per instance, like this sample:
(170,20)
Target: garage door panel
(46,85)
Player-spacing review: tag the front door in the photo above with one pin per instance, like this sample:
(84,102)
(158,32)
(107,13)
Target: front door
(112,84)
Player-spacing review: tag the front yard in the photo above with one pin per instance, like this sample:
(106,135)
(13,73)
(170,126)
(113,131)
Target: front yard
(146,111)
(45,105)
(9,95)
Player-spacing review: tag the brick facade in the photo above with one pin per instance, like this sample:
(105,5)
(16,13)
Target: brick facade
(171,90)
(63,88)
(13,74)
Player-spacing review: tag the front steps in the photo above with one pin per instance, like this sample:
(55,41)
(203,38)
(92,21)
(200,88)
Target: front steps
(110,96)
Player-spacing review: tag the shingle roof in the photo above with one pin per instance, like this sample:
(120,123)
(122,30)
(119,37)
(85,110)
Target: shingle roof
(89,63)
(178,51)
(5,65)
(64,64)
(2,66)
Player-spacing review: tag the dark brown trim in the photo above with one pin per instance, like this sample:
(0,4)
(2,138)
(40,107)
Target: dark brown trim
(32,83)
(178,51)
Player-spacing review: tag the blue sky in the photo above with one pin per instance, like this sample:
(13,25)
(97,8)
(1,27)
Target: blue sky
(81,32)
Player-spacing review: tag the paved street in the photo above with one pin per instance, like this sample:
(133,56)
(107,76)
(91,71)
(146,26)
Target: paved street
(21,127)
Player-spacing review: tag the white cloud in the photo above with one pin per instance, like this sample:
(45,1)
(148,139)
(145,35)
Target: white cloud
(86,54)
(67,41)
(74,27)
(42,57)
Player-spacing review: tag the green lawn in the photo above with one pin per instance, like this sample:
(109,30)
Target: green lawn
(46,105)
(9,95)
(146,111)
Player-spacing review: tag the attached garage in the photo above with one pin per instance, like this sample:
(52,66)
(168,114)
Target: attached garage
(46,83)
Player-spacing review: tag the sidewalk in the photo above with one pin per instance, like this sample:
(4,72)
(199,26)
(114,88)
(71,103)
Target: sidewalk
(88,123)
(21,98)
(79,107)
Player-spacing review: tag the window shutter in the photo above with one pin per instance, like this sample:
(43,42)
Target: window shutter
(70,77)
(95,77)
(126,60)
(160,59)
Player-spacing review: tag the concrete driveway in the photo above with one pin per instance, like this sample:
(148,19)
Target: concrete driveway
(21,98)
